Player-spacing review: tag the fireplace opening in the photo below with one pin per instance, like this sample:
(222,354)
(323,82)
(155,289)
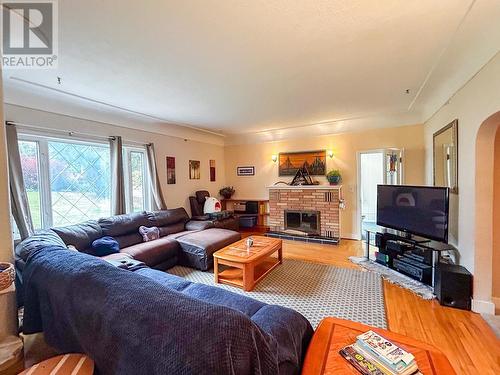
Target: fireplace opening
(306,222)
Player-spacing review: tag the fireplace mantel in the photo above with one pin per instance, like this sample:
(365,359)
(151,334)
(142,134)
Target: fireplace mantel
(305,187)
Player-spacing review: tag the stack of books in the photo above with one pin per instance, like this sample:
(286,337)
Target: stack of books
(372,354)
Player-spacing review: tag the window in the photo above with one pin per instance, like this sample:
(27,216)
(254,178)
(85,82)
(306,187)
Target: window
(80,180)
(136,180)
(69,181)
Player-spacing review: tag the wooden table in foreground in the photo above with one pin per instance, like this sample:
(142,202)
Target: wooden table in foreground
(333,334)
(66,364)
(247,265)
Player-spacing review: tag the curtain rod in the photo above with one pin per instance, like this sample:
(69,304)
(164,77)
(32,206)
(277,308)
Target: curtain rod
(72,133)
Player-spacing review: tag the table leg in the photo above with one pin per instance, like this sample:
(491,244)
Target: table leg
(248,277)
(280,255)
(216,270)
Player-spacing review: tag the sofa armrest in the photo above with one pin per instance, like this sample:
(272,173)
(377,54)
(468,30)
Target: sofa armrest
(198,225)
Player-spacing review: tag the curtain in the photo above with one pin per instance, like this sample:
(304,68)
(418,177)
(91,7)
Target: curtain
(18,197)
(154,180)
(118,205)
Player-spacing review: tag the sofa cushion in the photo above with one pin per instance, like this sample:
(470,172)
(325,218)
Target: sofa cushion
(197,248)
(123,224)
(105,246)
(171,229)
(199,225)
(153,252)
(129,239)
(168,217)
(81,235)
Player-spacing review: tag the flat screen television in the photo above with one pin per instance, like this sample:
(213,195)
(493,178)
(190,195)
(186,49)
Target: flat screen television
(418,210)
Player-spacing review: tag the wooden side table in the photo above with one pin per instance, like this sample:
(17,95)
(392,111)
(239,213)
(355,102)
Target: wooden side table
(333,334)
(66,364)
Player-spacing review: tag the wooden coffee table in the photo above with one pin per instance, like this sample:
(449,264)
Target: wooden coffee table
(333,334)
(247,265)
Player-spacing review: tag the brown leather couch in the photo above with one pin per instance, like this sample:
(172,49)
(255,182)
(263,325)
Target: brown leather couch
(197,203)
(182,241)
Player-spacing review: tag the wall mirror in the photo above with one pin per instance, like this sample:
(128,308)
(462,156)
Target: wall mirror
(446,157)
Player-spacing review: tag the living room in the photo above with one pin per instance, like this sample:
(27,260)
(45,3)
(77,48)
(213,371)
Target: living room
(119,149)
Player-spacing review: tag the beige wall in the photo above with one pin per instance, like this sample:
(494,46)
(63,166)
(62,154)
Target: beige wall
(183,150)
(472,105)
(496,219)
(345,147)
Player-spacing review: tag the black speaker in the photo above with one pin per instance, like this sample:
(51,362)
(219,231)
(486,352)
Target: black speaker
(453,286)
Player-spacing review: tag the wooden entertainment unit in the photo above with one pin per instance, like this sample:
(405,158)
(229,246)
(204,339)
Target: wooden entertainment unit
(415,257)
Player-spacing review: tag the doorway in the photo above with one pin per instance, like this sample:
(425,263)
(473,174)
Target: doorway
(375,167)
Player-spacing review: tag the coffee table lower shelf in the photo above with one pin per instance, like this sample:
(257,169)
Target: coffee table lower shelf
(245,276)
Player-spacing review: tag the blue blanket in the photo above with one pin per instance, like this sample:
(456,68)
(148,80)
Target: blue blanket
(130,323)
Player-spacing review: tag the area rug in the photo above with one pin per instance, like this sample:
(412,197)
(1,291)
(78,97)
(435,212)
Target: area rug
(315,290)
(394,277)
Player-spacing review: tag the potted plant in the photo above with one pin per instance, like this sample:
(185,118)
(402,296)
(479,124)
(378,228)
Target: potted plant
(334,177)
(227,192)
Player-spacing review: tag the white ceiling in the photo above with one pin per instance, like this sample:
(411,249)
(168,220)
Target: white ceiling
(233,66)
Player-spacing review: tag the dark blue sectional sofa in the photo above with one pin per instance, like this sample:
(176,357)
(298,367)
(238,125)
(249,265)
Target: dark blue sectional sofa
(133,319)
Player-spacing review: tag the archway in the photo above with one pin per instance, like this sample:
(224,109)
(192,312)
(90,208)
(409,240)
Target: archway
(487,244)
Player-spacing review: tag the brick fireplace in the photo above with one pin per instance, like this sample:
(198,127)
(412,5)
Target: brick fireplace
(321,199)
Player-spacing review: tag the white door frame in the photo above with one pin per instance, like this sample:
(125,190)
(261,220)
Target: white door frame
(358,176)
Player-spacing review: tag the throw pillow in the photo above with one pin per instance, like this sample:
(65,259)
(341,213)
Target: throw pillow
(105,246)
(149,233)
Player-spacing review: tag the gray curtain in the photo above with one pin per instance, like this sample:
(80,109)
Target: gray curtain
(18,197)
(156,193)
(118,205)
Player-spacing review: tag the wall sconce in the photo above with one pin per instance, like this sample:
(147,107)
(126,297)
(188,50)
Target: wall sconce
(274,158)
(330,153)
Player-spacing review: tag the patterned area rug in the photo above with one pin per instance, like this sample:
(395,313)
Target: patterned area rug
(315,290)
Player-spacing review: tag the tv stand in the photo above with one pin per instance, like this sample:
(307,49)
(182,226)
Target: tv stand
(413,256)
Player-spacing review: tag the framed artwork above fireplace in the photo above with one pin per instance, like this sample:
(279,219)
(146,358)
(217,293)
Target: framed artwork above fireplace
(290,162)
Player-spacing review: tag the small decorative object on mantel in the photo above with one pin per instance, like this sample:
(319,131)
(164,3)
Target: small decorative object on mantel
(334,177)
(7,275)
(227,192)
(302,177)
(245,171)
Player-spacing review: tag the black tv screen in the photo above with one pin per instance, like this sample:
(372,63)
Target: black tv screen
(419,210)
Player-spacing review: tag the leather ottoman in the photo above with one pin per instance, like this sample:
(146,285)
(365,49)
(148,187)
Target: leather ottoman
(197,248)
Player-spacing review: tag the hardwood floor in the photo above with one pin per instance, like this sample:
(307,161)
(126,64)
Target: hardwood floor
(464,337)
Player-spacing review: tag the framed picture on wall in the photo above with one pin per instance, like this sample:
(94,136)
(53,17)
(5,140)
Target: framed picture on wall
(245,171)
(194,169)
(290,162)
(170,170)
(212,170)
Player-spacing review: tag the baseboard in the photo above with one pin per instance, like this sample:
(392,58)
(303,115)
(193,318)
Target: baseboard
(350,236)
(483,307)
(496,302)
